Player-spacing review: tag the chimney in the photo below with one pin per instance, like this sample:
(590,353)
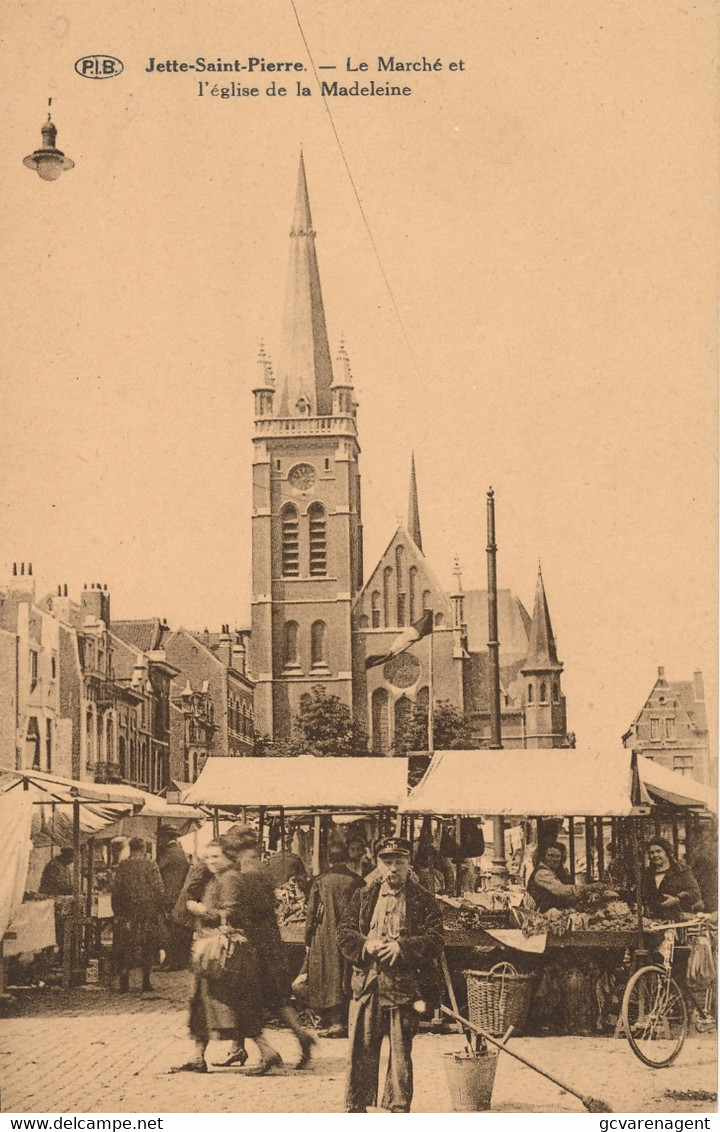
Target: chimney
(95,603)
(661,674)
(62,604)
(239,655)
(22,582)
(225,651)
(698,685)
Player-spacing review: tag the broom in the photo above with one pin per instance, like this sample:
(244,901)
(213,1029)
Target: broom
(592,1104)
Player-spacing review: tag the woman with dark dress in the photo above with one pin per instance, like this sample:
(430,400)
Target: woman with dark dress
(669,888)
(230,1007)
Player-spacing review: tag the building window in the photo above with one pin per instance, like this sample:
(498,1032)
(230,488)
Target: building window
(543,693)
(403,716)
(291,644)
(422,708)
(33,670)
(53,666)
(530,693)
(380,722)
(654,728)
(318,643)
(33,739)
(387,596)
(290,542)
(122,756)
(439,620)
(670,727)
(327,464)
(683,764)
(133,761)
(375,609)
(48,743)
(318,540)
(556,692)
(413,594)
(401,609)
(364,621)
(426,602)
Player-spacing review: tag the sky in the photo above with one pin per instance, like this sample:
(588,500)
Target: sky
(524,273)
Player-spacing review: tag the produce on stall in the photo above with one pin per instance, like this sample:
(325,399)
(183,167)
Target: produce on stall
(612,794)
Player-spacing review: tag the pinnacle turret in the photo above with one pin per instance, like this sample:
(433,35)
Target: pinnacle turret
(542,652)
(413,507)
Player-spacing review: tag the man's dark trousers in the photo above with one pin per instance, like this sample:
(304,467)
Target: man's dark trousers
(368,1023)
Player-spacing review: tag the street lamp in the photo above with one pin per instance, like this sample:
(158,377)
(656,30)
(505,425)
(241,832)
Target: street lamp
(48,162)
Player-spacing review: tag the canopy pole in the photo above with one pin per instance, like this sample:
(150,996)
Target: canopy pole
(282,832)
(600,849)
(216,823)
(431,691)
(589,848)
(458,856)
(261,827)
(638,879)
(317,831)
(89,894)
(571,839)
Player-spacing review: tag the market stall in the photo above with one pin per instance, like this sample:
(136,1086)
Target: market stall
(317,794)
(589,801)
(86,818)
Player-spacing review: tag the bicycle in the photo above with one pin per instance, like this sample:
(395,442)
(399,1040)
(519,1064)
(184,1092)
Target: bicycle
(655,1004)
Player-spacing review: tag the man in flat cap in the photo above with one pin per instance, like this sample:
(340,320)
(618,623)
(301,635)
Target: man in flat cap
(392,932)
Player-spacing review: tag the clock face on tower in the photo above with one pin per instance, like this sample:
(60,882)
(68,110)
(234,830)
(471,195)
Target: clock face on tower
(302,477)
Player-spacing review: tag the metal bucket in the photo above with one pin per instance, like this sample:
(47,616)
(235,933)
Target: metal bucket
(470,1079)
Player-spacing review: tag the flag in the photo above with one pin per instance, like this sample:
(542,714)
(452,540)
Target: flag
(409,636)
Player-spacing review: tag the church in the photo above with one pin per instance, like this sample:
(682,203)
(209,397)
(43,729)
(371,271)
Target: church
(315,618)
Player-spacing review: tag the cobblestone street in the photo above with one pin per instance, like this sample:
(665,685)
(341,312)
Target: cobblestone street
(94,1051)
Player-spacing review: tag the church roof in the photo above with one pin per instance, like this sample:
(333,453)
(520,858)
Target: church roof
(513,624)
(305,368)
(542,652)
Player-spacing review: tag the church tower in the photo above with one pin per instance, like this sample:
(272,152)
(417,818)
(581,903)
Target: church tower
(306,524)
(545,711)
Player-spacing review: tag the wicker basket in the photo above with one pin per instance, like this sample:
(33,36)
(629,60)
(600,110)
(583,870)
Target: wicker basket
(499,998)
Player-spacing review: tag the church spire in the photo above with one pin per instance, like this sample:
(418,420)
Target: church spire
(413,508)
(305,368)
(542,652)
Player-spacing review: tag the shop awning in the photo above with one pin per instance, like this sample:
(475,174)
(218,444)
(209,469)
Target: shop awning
(303,783)
(564,783)
(520,783)
(665,785)
(59,789)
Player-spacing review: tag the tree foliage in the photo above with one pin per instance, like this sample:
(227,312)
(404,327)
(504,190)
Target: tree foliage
(323,727)
(451,730)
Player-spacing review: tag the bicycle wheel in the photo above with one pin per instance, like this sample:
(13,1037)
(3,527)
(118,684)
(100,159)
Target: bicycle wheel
(654,1016)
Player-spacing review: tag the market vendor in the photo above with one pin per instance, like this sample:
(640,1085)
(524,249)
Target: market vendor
(549,884)
(669,887)
(56,879)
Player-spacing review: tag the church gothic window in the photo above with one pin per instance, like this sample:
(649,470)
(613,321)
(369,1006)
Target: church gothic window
(291,644)
(318,643)
(290,542)
(375,609)
(318,540)
(403,714)
(387,596)
(413,593)
(427,597)
(439,620)
(556,692)
(543,693)
(400,580)
(530,693)
(380,721)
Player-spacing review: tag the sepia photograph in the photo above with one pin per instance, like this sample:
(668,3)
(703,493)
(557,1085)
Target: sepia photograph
(358,570)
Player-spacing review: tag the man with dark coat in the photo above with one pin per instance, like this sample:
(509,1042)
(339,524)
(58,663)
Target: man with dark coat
(392,932)
(174,867)
(138,904)
(328,970)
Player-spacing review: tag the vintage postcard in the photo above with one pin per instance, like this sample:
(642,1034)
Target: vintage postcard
(359,556)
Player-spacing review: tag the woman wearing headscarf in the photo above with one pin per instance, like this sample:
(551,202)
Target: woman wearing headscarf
(669,888)
(231,1006)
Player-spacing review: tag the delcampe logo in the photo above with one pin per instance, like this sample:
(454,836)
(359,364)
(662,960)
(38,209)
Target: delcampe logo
(99,66)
